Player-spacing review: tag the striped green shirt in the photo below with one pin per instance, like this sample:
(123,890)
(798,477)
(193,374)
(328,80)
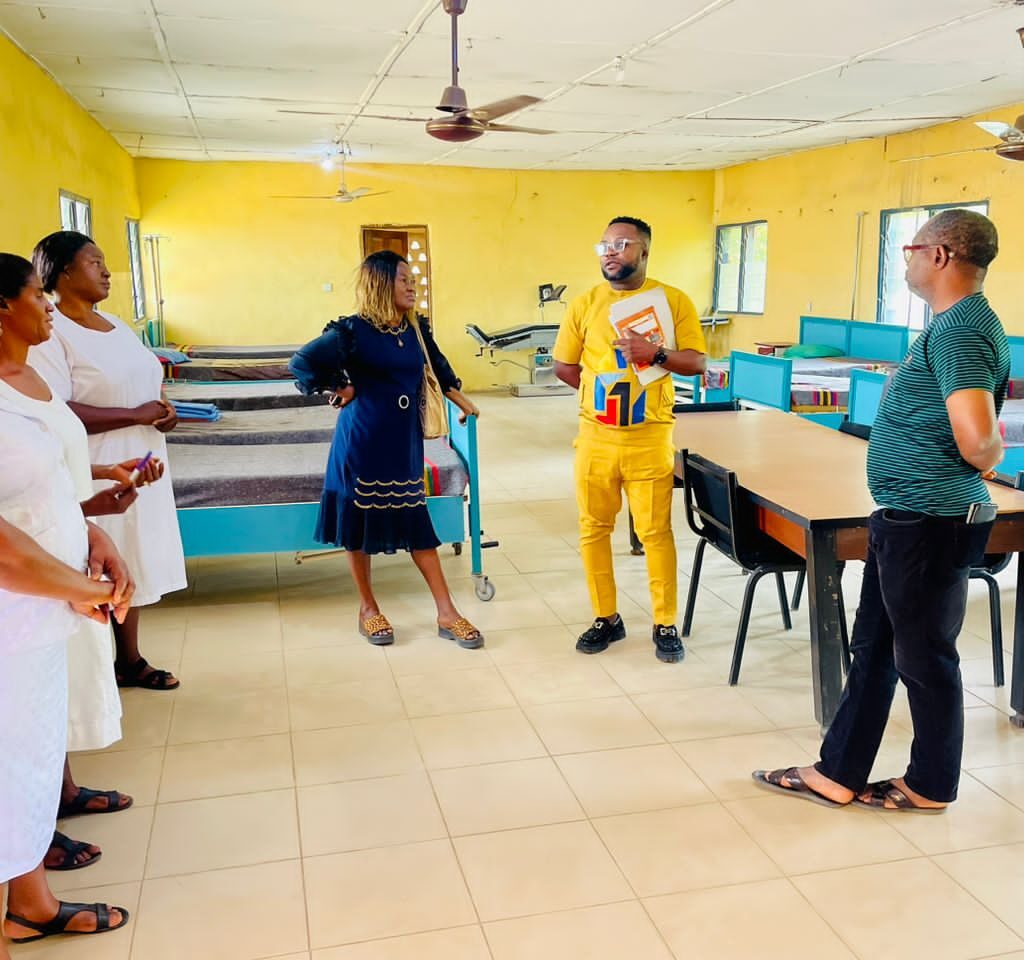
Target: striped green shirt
(913,460)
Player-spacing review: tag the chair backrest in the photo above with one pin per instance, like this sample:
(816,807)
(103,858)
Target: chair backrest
(866,389)
(716,512)
(862,430)
(760,380)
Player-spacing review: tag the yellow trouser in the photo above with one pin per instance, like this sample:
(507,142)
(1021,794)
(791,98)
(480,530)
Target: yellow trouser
(640,462)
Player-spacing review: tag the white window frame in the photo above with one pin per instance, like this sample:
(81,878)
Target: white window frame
(744,295)
(75,213)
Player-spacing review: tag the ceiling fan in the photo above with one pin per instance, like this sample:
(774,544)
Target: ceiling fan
(463,123)
(344,195)
(1010,148)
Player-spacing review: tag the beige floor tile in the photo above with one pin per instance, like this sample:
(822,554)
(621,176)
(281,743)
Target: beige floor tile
(237,914)
(326,623)
(990,740)
(220,768)
(979,818)
(522,872)
(632,780)
(460,943)
(214,834)
(572,677)
(748,920)
(935,918)
(1007,781)
(213,671)
(340,664)
(597,933)
(579,726)
(227,716)
(671,851)
(725,763)
(464,739)
(995,876)
(342,704)
(123,837)
(413,655)
(697,714)
(241,628)
(356,896)
(360,814)
(355,753)
(508,647)
(515,605)
(460,691)
(135,772)
(804,837)
(503,796)
(145,719)
(640,671)
(115,945)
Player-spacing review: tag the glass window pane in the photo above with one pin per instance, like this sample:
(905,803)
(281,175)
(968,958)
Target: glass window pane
(135,266)
(727,286)
(67,213)
(755,267)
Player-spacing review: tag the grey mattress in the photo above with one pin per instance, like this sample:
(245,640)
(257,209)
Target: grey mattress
(244,396)
(287,425)
(269,368)
(224,352)
(210,475)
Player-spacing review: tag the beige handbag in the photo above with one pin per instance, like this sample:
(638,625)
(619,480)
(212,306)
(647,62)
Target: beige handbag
(433,406)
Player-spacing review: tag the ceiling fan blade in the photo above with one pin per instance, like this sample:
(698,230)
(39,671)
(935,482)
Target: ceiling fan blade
(290,197)
(1002,130)
(377,116)
(317,113)
(499,108)
(358,192)
(510,128)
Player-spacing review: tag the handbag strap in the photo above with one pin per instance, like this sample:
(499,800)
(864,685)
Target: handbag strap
(415,324)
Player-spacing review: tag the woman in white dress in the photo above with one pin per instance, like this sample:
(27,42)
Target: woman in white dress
(99,366)
(94,707)
(45,547)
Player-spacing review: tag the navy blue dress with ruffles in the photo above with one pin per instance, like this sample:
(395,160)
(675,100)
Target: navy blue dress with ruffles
(374,498)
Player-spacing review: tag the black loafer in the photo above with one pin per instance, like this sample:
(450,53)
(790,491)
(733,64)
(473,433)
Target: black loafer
(668,648)
(603,631)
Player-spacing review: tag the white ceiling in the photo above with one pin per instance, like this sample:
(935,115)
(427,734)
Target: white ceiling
(707,83)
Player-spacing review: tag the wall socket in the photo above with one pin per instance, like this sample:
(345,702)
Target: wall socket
(328,287)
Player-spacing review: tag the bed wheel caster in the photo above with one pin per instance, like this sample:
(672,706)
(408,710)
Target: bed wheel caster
(1018,720)
(457,547)
(484,589)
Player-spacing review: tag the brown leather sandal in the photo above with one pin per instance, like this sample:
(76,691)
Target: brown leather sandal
(789,781)
(463,633)
(885,795)
(377,629)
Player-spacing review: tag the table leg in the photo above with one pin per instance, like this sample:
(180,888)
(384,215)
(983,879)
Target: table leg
(1017,671)
(824,597)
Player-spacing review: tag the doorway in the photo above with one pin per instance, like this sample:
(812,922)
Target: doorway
(411,242)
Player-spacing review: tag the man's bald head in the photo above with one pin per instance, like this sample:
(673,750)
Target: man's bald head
(970,237)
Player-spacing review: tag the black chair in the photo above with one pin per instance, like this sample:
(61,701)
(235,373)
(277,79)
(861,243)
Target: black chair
(722,406)
(719,516)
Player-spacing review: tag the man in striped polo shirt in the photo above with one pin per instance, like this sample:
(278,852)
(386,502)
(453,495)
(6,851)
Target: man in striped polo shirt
(935,438)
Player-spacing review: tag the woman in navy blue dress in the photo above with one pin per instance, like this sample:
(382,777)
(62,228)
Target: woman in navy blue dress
(374,499)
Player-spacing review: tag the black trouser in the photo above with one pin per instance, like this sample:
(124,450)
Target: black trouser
(912,606)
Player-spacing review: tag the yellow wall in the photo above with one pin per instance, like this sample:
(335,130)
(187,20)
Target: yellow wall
(242,267)
(48,143)
(811,201)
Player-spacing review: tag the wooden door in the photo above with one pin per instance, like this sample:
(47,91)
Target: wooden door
(376,240)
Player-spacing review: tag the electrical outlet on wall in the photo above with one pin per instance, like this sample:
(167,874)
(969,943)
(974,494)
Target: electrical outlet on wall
(328,287)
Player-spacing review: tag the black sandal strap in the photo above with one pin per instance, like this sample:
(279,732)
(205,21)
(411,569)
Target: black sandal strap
(81,802)
(102,917)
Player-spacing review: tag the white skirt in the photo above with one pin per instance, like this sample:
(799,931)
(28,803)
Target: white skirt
(94,704)
(33,738)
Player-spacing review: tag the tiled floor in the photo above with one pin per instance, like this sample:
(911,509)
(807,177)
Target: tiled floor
(308,797)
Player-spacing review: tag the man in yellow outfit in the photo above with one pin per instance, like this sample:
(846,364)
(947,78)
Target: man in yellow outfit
(625,438)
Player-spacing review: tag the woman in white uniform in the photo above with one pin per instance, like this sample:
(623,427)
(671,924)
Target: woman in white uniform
(94,707)
(99,366)
(45,547)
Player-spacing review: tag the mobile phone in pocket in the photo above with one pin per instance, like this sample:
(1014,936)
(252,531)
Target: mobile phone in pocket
(982,512)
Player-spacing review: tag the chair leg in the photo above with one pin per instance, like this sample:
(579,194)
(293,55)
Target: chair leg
(996,619)
(691,595)
(635,546)
(798,589)
(787,620)
(741,629)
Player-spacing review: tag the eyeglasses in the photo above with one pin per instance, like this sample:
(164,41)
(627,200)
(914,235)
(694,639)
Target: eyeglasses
(617,245)
(908,249)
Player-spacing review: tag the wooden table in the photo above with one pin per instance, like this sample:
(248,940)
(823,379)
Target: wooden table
(809,486)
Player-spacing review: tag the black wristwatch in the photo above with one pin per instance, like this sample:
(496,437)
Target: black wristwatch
(659,358)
